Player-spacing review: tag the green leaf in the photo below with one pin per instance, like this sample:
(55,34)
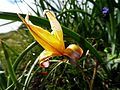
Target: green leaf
(13,16)
(9,65)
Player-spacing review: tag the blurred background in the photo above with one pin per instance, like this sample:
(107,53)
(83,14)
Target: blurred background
(16,6)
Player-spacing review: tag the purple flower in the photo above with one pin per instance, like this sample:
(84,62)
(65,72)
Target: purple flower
(105,11)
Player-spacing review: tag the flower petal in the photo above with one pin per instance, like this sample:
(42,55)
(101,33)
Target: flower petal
(56,27)
(44,58)
(73,51)
(45,64)
(43,37)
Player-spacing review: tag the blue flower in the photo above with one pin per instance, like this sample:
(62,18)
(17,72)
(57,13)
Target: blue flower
(105,11)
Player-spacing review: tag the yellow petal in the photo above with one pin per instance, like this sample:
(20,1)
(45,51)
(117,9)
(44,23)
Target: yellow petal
(56,27)
(43,37)
(73,51)
(44,58)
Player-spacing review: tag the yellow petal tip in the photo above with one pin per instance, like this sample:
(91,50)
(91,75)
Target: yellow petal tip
(48,11)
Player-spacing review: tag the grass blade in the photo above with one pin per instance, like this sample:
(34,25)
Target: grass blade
(27,81)
(9,65)
(20,57)
(3,81)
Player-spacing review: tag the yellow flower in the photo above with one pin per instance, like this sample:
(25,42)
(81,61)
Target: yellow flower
(53,42)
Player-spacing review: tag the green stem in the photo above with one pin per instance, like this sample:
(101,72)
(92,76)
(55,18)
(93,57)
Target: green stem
(93,77)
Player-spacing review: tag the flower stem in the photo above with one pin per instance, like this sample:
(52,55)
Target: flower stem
(93,77)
